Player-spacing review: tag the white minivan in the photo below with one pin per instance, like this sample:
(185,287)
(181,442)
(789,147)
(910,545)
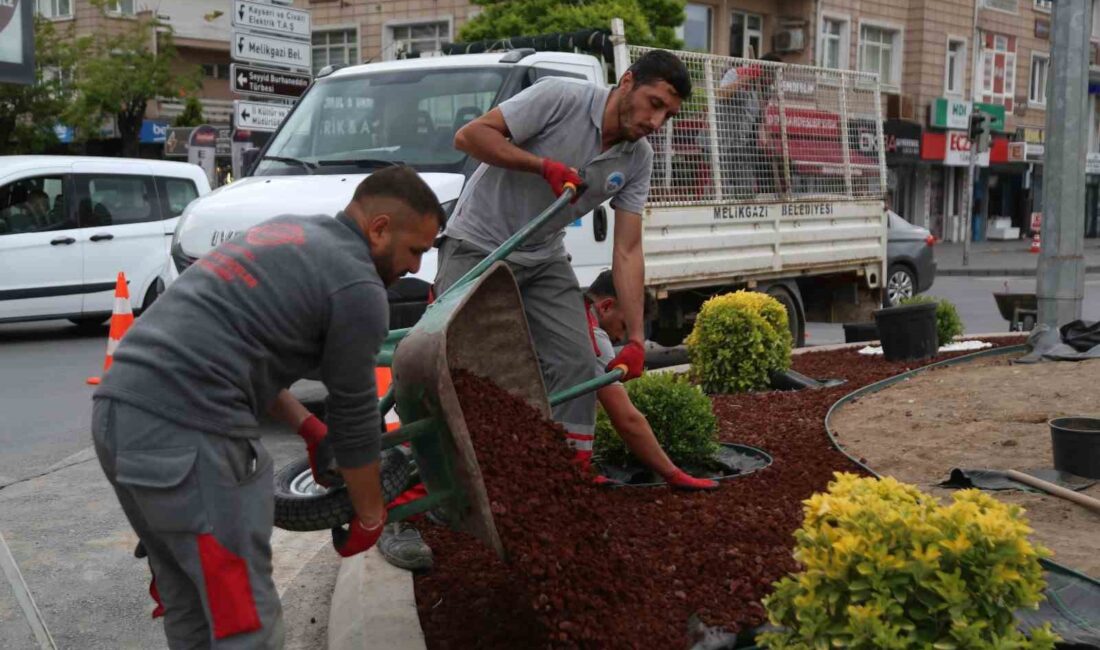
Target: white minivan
(69,224)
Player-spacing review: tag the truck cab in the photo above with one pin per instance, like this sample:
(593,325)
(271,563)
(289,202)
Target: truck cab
(358,119)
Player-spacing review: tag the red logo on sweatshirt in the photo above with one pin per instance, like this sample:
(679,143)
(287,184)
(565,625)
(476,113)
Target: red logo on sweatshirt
(276,234)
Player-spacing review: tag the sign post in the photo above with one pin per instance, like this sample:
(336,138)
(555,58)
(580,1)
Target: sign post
(259,116)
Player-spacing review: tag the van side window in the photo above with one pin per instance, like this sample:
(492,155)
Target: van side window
(176,193)
(34,205)
(534,74)
(116,200)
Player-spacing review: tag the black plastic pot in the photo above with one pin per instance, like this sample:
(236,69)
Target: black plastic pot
(907,332)
(1076,443)
(859,332)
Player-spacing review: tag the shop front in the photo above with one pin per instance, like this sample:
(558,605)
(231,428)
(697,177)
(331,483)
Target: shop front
(904,173)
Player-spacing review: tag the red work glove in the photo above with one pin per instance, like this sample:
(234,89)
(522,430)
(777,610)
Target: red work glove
(356,538)
(632,357)
(750,72)
(682,480)
(558,174)
(321,458)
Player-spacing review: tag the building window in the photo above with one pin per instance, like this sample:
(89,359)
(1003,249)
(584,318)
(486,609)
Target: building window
(955,67)
(880,53)
(746,34)
(834,43)
(1037,92)
(695,32)
(121,7)
(998,69)
(1042,5)
(55,8)
(1000,5)
(335,47)
(416,38)
(215,70)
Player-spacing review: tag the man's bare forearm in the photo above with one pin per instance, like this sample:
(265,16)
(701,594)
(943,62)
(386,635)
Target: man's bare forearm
(485,140)
(628,271)
(288,409)
(634,429)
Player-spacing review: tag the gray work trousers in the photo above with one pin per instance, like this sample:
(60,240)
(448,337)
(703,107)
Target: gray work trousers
(203,507)
(554,305)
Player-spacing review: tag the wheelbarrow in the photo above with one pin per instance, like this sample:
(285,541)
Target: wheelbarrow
(481,312)
(1019,309)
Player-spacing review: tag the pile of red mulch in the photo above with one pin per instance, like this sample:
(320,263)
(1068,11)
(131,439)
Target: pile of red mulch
(598,568)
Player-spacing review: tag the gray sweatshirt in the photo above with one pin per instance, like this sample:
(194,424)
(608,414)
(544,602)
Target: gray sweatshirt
(257,313)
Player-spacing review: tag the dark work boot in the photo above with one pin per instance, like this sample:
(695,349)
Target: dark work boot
(403,547)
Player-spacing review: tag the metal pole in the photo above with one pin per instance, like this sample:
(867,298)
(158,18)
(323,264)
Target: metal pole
(1060,281)
(968,203)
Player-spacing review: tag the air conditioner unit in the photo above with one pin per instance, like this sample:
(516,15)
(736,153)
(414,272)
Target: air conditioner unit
(900,107)
(789,40)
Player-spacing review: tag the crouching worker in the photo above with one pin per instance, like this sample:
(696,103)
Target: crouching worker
(606,322)
(174,421)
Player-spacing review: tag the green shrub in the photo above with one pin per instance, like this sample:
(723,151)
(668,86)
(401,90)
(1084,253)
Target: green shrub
(679,413)
(739,339)
(948,323)
(886,566)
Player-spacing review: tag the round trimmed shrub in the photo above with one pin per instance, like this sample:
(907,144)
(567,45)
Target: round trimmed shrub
(739,340)
(885,565)
(948,323)
(679,413)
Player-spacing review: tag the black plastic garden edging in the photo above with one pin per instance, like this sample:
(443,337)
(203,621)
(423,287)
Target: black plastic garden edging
(1082,631)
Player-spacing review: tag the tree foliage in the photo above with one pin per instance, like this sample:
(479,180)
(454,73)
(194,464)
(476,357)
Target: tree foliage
(28,113)
(117,74)
(647,22)
(192,113)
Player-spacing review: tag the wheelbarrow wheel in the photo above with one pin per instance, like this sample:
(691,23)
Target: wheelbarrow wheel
(303,505)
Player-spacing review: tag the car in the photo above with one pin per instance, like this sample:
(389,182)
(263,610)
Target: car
(910,260)
(70,224)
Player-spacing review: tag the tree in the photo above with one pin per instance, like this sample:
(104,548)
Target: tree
(28,114)
(192,113)
(647,22)
(118,74)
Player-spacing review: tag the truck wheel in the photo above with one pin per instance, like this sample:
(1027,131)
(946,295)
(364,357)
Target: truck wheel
(794,317)
(302,505)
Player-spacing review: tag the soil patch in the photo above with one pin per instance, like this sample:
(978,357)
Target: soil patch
(599,568)
(986,415)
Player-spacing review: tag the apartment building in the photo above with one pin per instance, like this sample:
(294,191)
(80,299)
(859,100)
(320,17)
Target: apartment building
(934,58)
(201,34)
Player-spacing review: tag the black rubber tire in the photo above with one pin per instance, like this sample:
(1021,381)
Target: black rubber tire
(333,507)
(798,332)
(151,295)
(305,513)
(899,269)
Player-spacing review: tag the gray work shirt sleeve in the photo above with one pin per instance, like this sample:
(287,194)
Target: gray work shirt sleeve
(633,196)
(358,324)
(534,109)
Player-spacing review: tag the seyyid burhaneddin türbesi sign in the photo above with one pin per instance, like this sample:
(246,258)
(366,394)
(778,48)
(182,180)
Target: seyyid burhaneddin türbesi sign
(16,41)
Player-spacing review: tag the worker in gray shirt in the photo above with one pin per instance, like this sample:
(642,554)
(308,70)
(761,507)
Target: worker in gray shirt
(174,421)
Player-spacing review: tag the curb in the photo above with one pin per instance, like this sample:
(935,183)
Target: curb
(1013,272)
(373,606)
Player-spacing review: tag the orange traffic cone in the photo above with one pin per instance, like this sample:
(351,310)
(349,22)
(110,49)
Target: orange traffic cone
(384,377)
(1036,245)
(121,320)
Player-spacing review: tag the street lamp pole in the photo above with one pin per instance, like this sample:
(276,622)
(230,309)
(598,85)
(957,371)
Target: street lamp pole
(1060,279)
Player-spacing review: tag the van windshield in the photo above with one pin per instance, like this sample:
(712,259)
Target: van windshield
(407,116)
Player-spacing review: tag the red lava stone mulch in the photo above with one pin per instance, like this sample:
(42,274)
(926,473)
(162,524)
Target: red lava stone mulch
(626,568)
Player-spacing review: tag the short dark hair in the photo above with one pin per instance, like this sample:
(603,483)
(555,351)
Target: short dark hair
(604,287)
(662,65)
(401,183)
(771,56)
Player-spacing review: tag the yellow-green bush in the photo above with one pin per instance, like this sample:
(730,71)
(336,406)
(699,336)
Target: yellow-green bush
(679,413)
(739,339)
(886,566)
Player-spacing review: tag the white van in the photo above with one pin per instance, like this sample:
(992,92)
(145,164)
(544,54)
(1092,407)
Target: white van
(69,224)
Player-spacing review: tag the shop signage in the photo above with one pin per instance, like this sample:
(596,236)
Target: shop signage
(947,113)
(17,41)
(1031,135)
(952,148)
(175,142)
(1092,163)
(1025,152)
(902,140)
(154,131)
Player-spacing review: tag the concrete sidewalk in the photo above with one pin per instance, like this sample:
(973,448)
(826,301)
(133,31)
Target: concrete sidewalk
(1002,258)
